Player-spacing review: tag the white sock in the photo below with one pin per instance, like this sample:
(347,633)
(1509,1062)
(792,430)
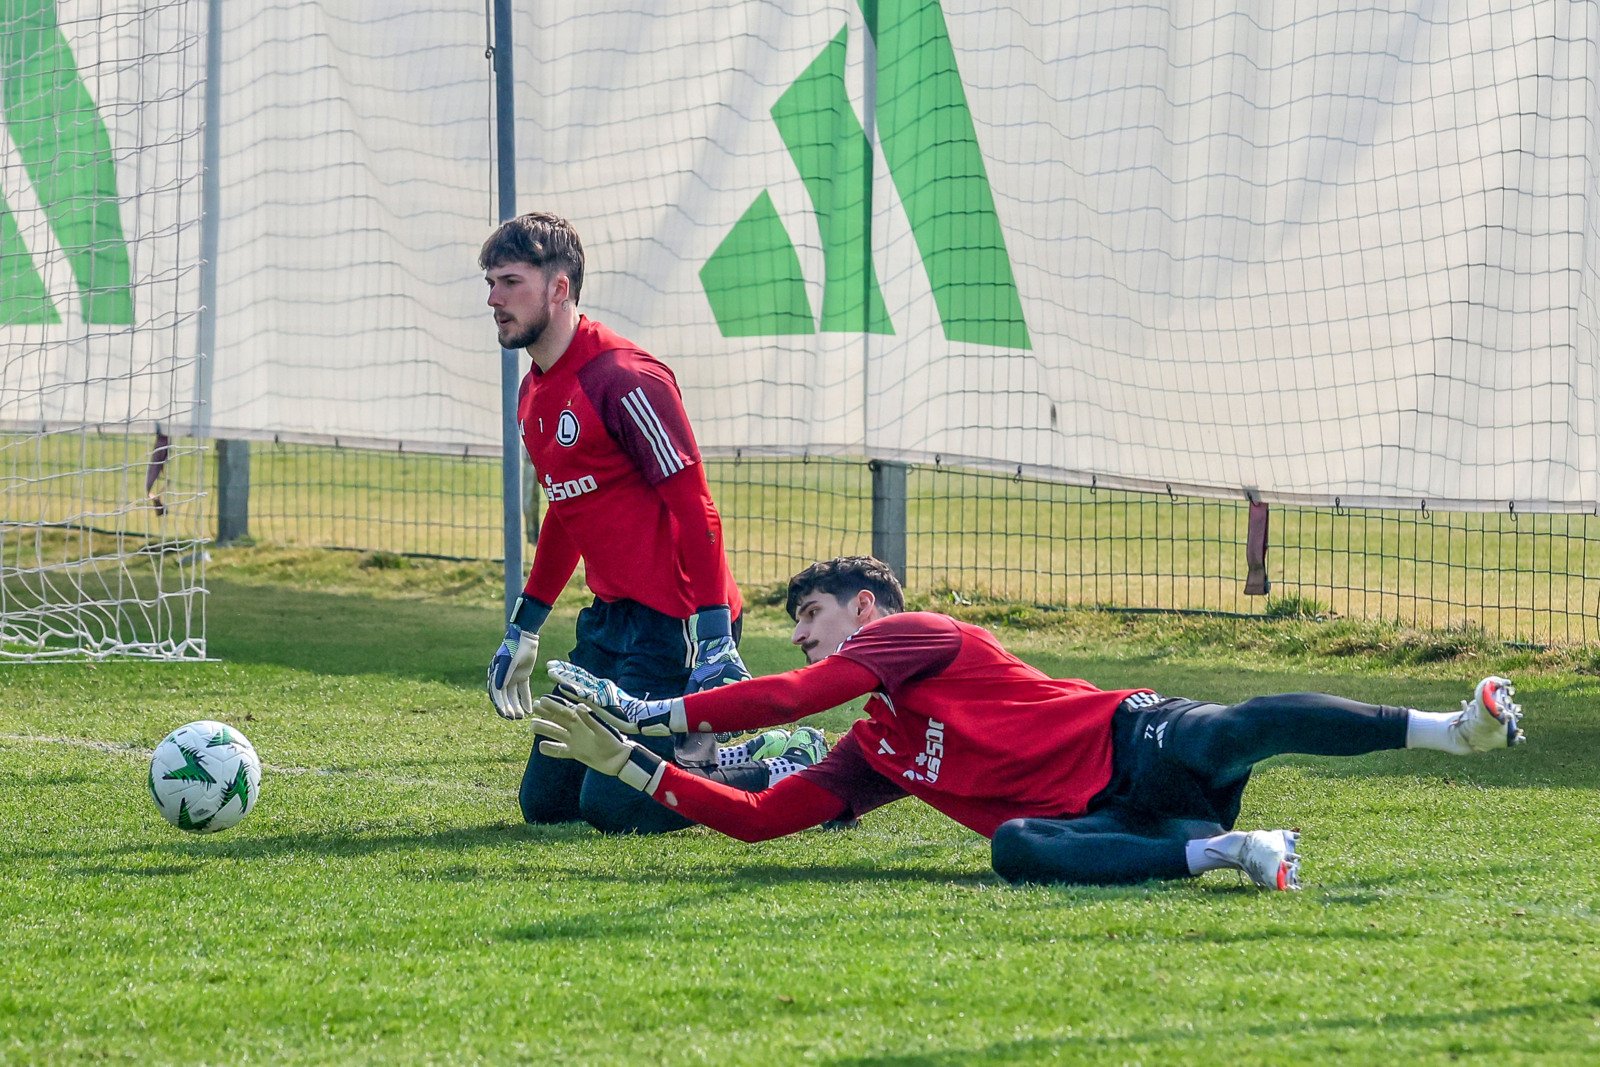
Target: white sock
(1431,730)
(728,755)
(1214,853)
(779,768)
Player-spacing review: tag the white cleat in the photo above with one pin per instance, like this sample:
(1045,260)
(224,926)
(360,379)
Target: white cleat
(1270,859)
(1489,720)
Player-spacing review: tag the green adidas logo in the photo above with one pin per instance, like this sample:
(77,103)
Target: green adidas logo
(754,281)
(66,152)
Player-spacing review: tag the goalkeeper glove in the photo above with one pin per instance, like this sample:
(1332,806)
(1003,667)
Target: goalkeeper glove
(716,658)
(572,732)
(514,661)
(629,714)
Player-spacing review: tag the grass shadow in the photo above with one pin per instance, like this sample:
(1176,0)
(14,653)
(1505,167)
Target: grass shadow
(1119,1047)
(343,633)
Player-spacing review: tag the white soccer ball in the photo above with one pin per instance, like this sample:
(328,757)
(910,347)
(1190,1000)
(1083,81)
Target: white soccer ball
(205,776)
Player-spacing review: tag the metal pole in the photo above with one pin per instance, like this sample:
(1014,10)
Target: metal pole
(889,515)
(233,491)
(210,224)
(506,172)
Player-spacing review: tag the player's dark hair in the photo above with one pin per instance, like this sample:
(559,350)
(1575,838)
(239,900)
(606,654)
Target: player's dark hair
(540,239)
(846,576)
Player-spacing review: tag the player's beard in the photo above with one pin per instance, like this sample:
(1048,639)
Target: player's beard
(529,335)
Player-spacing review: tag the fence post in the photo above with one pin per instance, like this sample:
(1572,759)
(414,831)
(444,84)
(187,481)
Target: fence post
(233,491)
(889,514)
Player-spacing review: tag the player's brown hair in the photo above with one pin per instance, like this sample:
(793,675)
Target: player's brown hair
(846,576)
(539,239)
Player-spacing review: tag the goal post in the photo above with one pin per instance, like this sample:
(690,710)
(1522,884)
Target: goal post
(101,486)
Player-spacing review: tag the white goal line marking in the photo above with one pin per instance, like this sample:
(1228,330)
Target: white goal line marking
(128,748)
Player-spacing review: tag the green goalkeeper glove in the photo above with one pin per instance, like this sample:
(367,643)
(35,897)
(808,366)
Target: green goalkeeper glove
(571,731)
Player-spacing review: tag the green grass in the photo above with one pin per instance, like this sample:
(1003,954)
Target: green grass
(385,904)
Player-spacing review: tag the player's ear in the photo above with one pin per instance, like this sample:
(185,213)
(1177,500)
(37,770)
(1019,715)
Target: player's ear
(865,603)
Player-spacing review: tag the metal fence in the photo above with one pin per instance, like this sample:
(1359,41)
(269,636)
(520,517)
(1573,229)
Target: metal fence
(970,535)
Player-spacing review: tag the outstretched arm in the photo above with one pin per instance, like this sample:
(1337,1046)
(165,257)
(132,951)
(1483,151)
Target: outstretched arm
(792,805)
(749,705)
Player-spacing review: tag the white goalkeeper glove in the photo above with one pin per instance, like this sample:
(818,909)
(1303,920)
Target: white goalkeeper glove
(514,661)
(716,658)
(571,731)
(628,714)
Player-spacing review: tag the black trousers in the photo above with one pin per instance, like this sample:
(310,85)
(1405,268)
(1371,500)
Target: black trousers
(648,655)
(1179,768)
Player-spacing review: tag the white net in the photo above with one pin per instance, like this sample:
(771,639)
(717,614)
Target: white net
(100,498)
(356,185)
(1326,252)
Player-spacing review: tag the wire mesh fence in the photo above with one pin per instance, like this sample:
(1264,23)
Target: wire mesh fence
(969,535)
(979,535)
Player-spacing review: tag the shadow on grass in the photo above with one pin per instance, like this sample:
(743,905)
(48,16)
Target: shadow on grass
(432,640)
(346,633)
(1440,1024)
(587,857)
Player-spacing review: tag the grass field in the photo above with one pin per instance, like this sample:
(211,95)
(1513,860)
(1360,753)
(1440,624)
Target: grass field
(385,904)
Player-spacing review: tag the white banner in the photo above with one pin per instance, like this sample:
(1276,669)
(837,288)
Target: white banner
(1319,253)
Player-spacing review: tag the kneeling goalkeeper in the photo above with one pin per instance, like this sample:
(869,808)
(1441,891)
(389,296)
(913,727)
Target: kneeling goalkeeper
(605,428)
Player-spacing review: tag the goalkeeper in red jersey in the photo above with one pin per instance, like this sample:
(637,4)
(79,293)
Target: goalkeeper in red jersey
(605,429)
(1071,783)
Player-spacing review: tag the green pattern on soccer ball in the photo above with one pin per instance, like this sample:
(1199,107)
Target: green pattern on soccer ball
(186,823)
(239,787)
(191,771)
(156,796)
(223,738)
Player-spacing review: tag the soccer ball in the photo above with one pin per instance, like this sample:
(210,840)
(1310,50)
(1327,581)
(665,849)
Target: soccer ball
(205,777)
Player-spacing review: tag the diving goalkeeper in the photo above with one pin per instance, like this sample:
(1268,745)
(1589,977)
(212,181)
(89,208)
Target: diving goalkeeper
(1071,783)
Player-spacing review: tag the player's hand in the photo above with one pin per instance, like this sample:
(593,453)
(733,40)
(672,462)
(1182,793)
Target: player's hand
(571,731)
(617,709)
(512,667)
(716,657)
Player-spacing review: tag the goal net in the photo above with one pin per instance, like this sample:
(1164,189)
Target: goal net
(101,518)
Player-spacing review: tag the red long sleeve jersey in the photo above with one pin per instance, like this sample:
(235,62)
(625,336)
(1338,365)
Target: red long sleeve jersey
(603,428)
(954,720)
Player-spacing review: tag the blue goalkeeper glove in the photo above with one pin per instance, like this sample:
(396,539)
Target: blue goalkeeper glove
(716,657)
(619,710)
(514,661)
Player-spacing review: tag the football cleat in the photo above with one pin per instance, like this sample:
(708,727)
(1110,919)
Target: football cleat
(766,744)
(1489,720)
(806,747)
(1270,859)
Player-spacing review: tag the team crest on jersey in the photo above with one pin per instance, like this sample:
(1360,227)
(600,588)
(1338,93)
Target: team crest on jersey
(567,429)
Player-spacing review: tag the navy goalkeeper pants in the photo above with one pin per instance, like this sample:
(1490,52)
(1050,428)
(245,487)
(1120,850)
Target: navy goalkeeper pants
(647,654)
(1179,769)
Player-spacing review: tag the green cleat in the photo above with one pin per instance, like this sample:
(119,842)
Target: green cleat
(806,747)
(766,744)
